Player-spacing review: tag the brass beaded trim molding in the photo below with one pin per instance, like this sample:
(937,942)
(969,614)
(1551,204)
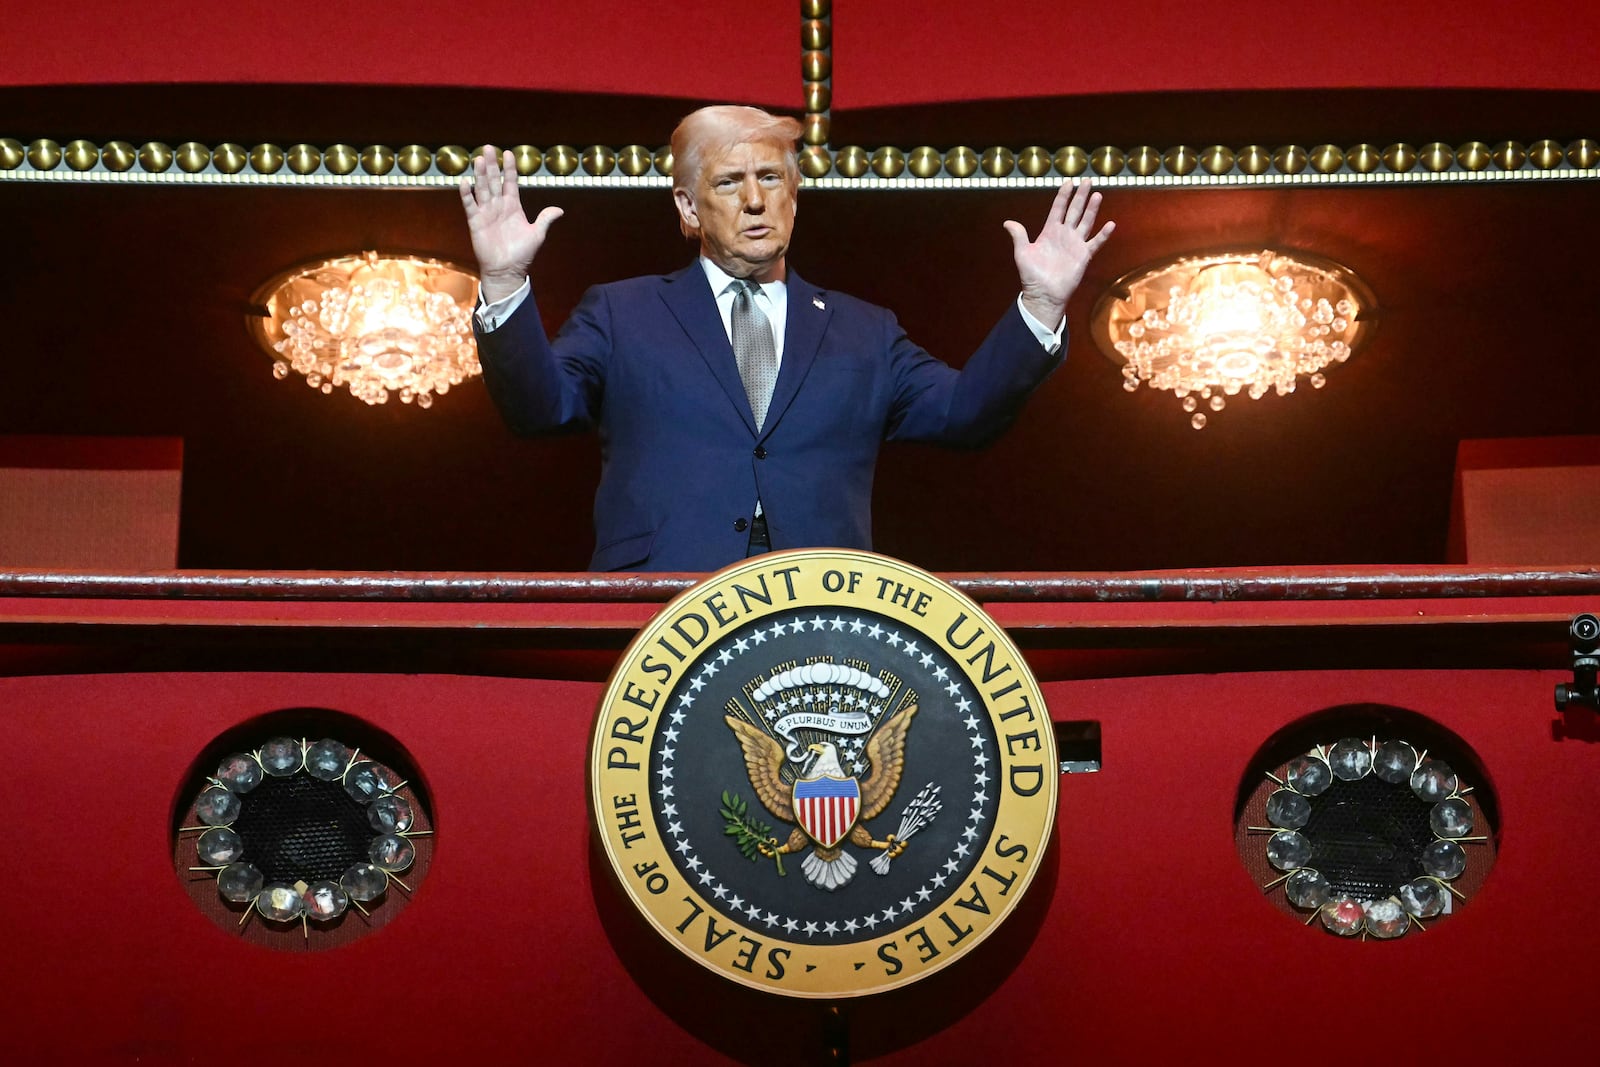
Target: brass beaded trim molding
(816,70)
(850,167)
(636,166)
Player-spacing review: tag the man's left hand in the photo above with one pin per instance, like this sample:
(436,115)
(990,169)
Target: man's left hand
(1051,267)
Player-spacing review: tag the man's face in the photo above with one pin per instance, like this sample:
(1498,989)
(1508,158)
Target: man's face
(743,206)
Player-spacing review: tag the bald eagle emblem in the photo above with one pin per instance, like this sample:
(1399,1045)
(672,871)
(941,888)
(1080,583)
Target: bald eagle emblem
(828,805)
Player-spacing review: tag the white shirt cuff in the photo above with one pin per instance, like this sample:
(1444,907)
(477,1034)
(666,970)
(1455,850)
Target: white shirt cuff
(1050,339)
(490,317)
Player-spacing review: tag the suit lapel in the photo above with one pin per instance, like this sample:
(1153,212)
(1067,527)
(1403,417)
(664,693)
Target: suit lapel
(688,296)
(802,337)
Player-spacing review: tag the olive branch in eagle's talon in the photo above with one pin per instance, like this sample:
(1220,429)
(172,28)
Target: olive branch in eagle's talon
(754,838)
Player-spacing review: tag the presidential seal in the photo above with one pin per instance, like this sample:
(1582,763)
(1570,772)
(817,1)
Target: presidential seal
(823,774)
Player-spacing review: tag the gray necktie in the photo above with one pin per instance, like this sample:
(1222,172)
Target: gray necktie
(754,349)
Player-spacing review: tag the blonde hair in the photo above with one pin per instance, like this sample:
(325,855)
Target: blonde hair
(722,126)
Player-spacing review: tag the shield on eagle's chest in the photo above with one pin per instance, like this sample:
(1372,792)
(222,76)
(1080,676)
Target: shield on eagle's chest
(826,808)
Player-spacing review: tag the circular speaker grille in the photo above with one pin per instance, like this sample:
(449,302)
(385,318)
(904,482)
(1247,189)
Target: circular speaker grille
(1367,837)
(1367,822)
(297,841)
(303,828)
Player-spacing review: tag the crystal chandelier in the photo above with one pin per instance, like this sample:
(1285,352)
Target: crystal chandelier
(374,324)
(1210,326)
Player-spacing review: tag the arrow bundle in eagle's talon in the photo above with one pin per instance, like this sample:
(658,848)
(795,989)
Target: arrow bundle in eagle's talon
(917,814)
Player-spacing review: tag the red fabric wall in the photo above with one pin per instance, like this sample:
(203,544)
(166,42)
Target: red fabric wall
(966,49)
(107,503)
(884,53)
(507,953)
(621,46)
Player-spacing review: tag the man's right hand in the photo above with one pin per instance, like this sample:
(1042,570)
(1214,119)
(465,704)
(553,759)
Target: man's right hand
(503,240)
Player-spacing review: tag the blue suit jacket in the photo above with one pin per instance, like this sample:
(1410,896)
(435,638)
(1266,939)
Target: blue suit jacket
(646,362)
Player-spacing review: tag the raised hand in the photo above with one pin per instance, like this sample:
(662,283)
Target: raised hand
(503,240)
(1051,266)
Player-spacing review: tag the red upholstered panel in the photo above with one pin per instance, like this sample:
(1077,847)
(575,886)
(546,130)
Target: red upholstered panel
(621,46)
(885,53)
(1529,501)
(964,50)
(86,503)
(1151,933)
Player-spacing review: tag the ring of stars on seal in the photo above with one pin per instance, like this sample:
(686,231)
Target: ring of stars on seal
(815,916)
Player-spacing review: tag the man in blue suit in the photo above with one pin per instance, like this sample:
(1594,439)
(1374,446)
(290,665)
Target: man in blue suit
(740,408)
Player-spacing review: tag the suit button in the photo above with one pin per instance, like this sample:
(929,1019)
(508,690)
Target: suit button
(741,525)
(761,452)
